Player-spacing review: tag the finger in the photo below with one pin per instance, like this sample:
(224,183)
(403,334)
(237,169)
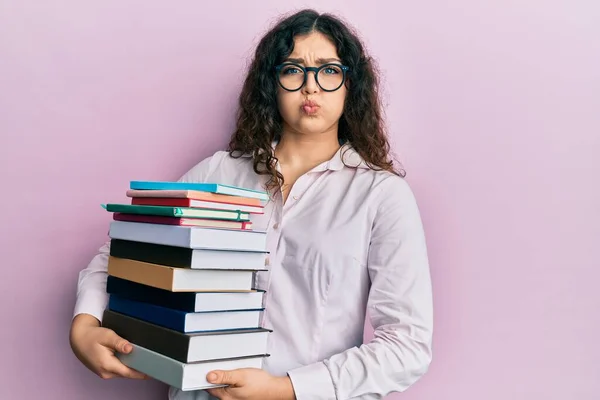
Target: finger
(106,375)
(116,367)
(221,377)
(117,343)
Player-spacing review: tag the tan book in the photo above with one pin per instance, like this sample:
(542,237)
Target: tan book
(176,279)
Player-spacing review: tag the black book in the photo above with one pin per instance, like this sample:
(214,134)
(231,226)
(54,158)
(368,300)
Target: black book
(188,347)
(184,257)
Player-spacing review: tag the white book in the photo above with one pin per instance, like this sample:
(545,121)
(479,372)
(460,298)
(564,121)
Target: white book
(197,280)
(189,236)
(225,320)
(227,344)
(184,376)
(218,301)
(219,259)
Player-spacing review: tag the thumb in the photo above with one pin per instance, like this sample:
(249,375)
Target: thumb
(117,343)
(221,377)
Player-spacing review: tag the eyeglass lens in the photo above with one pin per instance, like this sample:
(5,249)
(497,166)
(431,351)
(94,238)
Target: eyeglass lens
(330,77)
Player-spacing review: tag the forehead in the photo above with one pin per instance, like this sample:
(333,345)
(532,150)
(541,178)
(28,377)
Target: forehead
(314,45)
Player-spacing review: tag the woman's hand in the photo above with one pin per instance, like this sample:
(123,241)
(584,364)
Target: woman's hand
(95,347)
(250,384)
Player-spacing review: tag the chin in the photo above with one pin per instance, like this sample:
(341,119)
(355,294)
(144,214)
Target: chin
(311,126)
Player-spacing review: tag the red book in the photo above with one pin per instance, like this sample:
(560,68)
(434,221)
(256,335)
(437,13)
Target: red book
(220,204)
(195,195)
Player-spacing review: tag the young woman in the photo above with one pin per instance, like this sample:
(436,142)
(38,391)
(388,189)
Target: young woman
(344,232)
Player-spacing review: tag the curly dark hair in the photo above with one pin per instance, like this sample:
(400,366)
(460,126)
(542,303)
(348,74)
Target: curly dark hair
(258,119)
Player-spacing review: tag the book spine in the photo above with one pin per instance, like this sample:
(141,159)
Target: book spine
(151,233)
(130,290)
(161,340)
(156,366)
(168,318)
(151,253)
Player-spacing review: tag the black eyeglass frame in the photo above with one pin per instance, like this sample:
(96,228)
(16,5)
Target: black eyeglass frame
(316,71)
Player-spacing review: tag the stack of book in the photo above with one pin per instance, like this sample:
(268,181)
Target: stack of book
(181,269)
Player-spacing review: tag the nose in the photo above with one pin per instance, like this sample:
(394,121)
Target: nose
(311,85)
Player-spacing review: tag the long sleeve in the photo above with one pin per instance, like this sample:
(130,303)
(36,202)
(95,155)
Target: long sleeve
(399,306)
(91,285)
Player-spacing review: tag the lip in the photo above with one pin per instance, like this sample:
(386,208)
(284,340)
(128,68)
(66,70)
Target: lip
(310,107)
(310,103)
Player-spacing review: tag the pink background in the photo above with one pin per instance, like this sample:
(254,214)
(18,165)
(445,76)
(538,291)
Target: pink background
(494,110)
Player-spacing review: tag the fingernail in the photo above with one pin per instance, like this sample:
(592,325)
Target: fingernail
(127,348)
(212,377)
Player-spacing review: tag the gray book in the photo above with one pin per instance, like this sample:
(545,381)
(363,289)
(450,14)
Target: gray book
(183,376)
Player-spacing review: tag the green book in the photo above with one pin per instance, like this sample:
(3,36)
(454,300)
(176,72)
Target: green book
(178,212)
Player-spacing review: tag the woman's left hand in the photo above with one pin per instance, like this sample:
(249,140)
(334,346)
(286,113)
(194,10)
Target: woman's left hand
(249,384)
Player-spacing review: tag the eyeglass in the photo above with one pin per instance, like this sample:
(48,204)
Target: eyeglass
(330,77)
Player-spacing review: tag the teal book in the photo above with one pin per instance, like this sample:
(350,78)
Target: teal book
(178,212)
(201,187)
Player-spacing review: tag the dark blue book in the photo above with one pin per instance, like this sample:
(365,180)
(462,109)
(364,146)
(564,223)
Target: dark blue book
(183,321)
(184,301)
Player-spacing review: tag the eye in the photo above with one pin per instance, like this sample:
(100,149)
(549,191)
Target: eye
(330,70)
(291,70)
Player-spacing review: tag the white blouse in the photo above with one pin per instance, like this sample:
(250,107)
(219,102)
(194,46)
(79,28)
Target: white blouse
(348,244)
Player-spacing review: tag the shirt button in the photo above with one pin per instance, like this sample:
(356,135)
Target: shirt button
(295,197)
(275,225)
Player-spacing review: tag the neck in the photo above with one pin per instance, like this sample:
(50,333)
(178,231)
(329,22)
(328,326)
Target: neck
(306,151)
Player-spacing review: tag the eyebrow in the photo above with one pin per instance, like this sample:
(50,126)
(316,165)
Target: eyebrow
(319,60)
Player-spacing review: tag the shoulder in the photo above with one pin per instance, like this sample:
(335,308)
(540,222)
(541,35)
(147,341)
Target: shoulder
(386,189)
(394,195)
(395,186)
